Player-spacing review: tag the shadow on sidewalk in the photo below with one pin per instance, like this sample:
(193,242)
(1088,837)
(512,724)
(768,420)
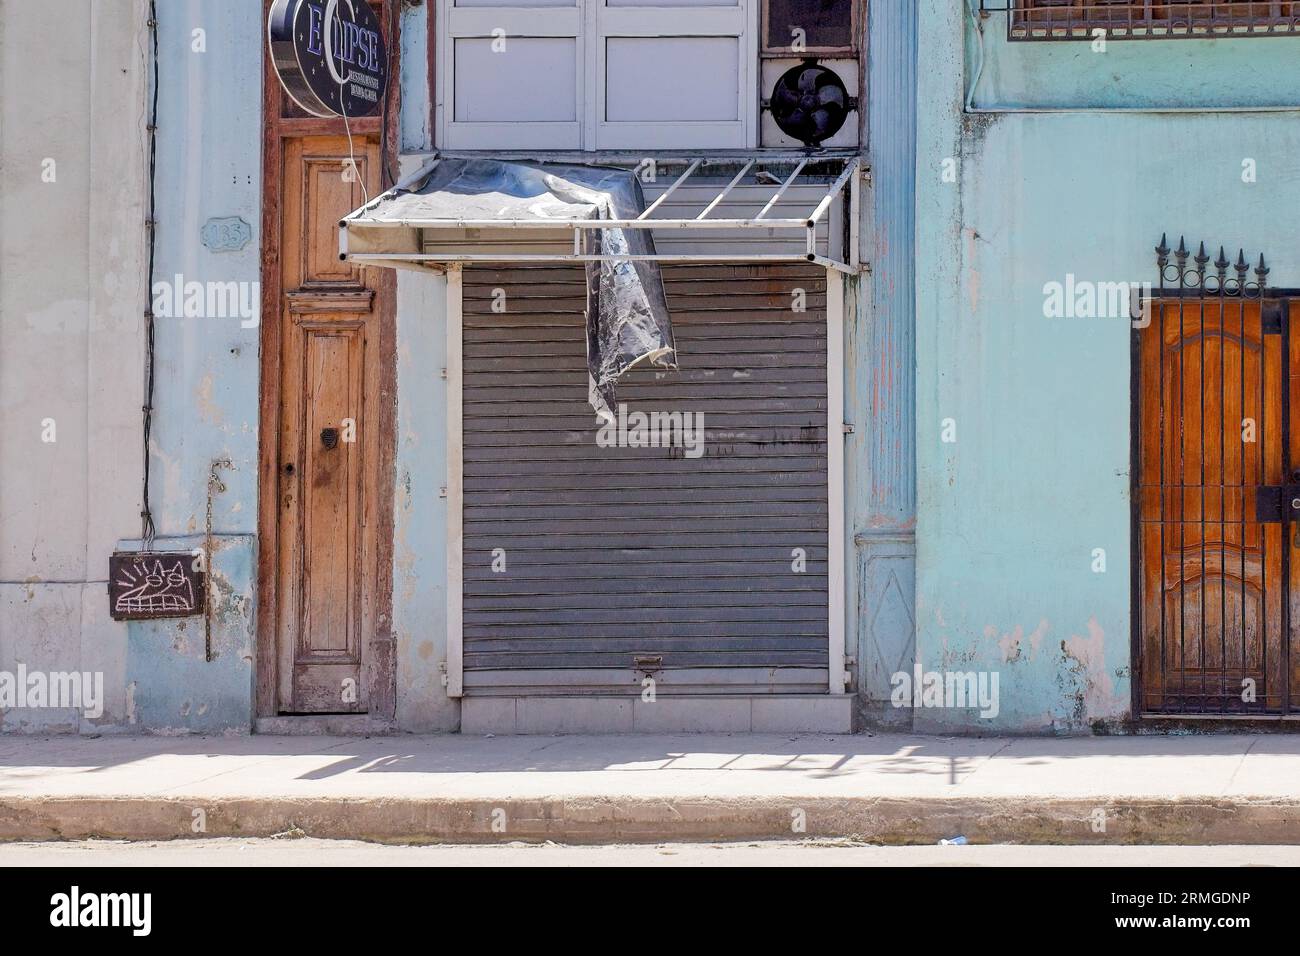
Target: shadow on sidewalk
(811,756)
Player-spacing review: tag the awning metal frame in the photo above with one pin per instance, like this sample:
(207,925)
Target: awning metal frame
(848,181)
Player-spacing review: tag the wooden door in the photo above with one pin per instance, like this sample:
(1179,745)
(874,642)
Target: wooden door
(328,347)
(1218,535)
(329,389)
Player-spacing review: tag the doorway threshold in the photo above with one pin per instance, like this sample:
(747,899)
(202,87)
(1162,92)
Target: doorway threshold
(324,725)
(738,713)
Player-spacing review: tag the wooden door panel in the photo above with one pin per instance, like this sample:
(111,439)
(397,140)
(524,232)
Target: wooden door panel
(1210,574)
(333,183)
(328,569)
(321,187)
(333,368)
(326,564)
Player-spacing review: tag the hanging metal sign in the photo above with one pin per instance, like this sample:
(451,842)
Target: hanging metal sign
(143,585)
(329,55)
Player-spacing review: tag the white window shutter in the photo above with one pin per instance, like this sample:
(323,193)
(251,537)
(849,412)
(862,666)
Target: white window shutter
(511,74)
(597,74)
(673,74)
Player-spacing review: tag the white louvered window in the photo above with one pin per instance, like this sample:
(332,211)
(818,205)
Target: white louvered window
(597,74)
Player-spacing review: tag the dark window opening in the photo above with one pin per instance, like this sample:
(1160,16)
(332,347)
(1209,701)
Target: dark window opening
(795,27)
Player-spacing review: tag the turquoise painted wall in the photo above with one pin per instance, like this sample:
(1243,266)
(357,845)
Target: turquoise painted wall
(1010,513)
(206,399)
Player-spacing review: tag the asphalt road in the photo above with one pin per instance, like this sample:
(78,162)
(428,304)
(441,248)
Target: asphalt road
(309,852)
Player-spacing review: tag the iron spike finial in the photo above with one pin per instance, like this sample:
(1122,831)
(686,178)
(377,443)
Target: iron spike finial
(1202,257)
(1221,263)
(1241,266)
(1180,254)
(1261,270)
(1162,253)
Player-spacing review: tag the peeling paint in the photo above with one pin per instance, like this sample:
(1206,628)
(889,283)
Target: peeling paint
(1098,688)
(208,410)
(1009,643)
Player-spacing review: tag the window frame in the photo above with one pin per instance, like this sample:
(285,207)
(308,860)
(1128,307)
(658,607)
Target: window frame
(477,22)
(770,51)
(591,23)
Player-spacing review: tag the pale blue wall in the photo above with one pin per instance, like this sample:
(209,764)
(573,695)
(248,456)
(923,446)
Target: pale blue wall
(1010,513)
(419,509)
(206,392)
(416,96)
(209,162)
(880,363)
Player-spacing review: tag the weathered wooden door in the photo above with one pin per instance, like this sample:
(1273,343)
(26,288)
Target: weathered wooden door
(328,442)
(325,641)
(1217,509)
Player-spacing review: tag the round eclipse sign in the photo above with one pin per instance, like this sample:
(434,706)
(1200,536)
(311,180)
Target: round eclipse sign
(329,55)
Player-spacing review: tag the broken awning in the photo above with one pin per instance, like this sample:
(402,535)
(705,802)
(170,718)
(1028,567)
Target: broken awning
(627,312)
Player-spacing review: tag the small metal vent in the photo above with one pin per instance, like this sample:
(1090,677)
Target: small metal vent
(648,663)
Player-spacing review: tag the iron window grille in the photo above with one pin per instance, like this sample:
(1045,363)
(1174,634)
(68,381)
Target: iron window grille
(1145,19)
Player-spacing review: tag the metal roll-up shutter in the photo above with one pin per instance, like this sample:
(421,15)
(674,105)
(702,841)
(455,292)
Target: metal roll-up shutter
(709,572)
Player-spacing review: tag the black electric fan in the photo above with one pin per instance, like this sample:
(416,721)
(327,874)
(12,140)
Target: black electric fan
(810,103)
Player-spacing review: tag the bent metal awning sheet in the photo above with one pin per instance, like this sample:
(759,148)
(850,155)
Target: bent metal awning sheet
(627,312)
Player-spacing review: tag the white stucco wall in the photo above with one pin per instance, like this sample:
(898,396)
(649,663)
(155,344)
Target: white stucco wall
(72,291)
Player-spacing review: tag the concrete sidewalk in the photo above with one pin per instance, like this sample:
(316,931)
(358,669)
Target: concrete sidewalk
(894,789)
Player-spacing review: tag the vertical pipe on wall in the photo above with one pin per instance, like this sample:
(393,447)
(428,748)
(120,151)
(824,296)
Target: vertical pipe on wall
(891,132)
(835,473)
(883,469)
(455,482)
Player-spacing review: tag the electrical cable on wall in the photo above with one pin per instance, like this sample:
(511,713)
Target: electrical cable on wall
(147,529)
(347,128)
(352,155)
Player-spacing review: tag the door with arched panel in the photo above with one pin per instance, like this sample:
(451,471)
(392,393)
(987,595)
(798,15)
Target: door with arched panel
(1217,506)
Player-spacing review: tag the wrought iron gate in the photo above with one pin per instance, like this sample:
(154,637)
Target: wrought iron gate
(1216,490)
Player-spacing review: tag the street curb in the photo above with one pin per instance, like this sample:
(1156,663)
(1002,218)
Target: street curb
(889,821)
